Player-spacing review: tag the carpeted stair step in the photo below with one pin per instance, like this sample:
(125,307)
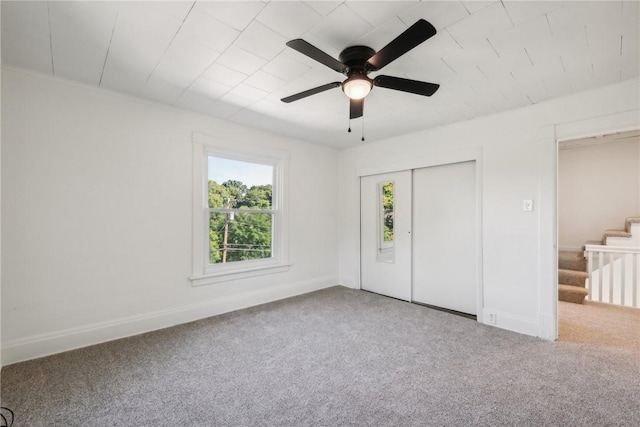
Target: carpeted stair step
(614,233)
(629,221)
(572,277)
(572,260)
(572,294)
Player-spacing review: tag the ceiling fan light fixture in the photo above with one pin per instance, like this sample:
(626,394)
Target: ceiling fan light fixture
(357,86)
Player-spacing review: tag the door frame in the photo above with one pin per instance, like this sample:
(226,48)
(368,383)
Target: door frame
(586,128)
(436,158)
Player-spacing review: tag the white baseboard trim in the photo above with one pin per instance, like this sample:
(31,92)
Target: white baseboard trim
(547,326)
(512,322)
(347,282)
(36,346)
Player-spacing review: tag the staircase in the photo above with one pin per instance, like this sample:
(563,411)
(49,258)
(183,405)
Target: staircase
(572,265)
(572,274)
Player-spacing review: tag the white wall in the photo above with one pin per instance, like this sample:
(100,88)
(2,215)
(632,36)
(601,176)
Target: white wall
(0,210)
(97,217)
(518,161)
(598,187)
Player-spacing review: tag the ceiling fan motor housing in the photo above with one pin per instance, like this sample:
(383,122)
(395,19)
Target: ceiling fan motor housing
(355,57)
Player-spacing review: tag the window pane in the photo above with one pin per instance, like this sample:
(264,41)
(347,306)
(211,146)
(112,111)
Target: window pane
(239,236)
(387,211)
(236,184)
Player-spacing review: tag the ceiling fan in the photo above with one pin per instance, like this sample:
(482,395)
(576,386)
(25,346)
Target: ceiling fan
(356,62)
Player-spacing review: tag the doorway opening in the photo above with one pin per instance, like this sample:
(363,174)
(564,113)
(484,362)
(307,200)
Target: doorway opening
(599,239)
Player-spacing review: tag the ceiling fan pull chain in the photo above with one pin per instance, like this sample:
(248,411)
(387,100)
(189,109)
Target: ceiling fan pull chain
(362,128)
(349,130)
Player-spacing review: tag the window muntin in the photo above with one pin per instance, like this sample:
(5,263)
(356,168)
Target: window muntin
(241,210)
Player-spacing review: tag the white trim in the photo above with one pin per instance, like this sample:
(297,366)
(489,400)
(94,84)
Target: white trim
(599,139)
(514,323)
(598,126)
(243,273)
(35,346)
(612,249)
(202,272)
(435,158)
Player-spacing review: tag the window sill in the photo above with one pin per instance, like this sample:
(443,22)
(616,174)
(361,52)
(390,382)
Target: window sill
(225,276)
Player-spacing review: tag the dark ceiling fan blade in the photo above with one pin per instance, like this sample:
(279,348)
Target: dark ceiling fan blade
(410,38)
(316,54)
(310,92)
(406,85)
(356,108)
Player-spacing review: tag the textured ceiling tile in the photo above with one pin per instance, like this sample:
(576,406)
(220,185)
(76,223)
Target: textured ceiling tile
(534,36)
(241,60)
(440,45)
(141,36)
(76,57)
(248,92)
(291,20)
(202,28)
(195,101)
(285,67)
(631,71)
(237,14)
(236,100)
(261,41)
(479,54)
(379,12)
(159,90)
(630,19)
(557,85)
(224,75)
(184,62)
(341,27)
(176,9)
(265,81)
(440,14)
(210,88)
(474,6)
(523,11)
(538,71)
(574,16)
(383,34)
(631,49)
(25,36)
(485,23)
(323,7)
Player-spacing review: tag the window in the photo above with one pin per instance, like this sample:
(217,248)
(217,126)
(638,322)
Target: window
(386,250)
(240,208)
(239,220)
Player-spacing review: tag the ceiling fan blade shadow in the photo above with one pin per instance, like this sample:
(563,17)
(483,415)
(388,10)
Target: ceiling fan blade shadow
(356,108)
(410,38)
(406,85)
(310,92)
(316,54)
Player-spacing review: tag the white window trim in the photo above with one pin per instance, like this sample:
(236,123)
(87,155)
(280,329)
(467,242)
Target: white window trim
(204,273)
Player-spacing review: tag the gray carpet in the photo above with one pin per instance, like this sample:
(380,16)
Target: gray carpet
(330,358)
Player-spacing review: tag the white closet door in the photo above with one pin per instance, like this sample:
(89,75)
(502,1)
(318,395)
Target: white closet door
(385,211)
(444,236)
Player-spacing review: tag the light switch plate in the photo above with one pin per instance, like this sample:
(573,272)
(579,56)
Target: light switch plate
(527,205)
